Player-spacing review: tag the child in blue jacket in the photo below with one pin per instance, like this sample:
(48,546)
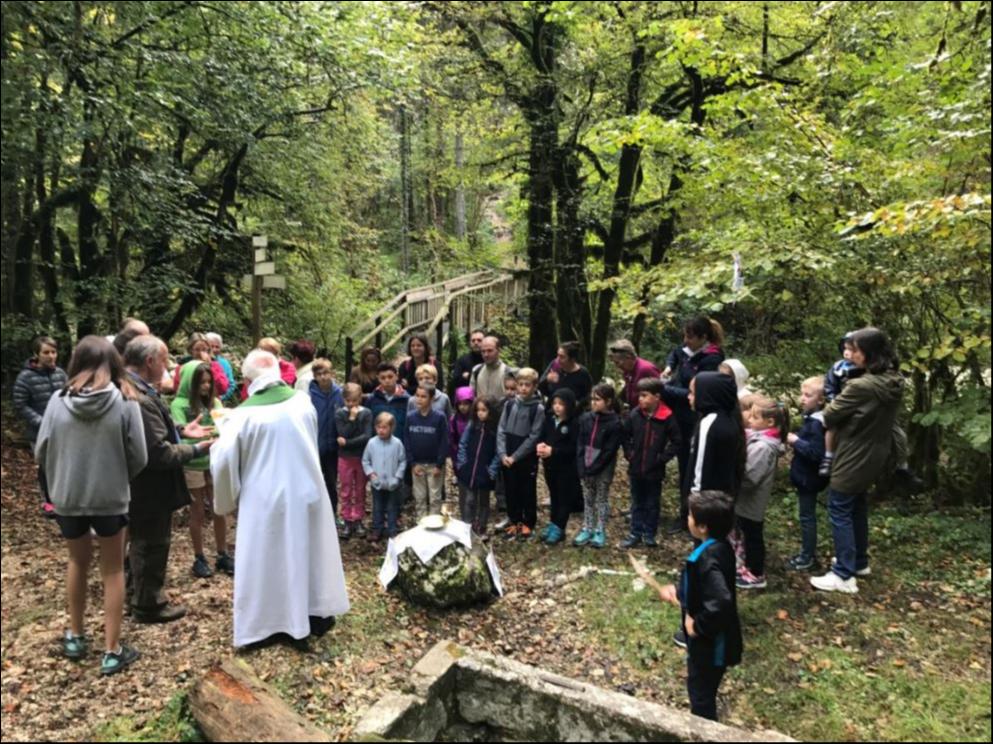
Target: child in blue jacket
(477,464)
(326,398)
(808,450)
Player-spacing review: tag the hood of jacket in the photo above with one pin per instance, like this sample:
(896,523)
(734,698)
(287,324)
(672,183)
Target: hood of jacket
(715,392)
(186,373)
(91,404)
(766,438)
(463,394)
(887,386)
(568,397)
(315,389)
(741,374)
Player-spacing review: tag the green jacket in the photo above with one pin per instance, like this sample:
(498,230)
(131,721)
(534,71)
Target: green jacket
(182,413)
(863,415)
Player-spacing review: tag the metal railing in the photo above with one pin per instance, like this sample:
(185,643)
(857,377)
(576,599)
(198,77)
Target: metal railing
(461,303)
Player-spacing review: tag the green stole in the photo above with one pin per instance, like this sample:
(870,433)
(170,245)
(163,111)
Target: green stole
(279,393)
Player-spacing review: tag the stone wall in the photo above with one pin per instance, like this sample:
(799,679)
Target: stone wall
(455,692)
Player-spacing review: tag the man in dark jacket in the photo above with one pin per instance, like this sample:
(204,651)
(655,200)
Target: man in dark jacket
(462,371)
(159,489)
(651,439)
(706,594)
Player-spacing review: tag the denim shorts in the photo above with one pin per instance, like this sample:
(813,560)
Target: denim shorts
(75,527)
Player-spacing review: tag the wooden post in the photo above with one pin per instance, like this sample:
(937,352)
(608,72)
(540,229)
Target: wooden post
(256,309)
(349,358)
(379,334)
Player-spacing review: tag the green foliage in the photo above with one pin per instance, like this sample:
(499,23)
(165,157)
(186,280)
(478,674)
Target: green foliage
(173,723)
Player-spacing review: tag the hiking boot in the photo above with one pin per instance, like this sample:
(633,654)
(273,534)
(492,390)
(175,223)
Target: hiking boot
(224,564)
(679,638)
(831,582)
(524,533)
(582,538)
(510,533)
(502,524)
(345,533)
(75,646)
(598,540)
(162,615)
(861,572)
(800,562)
(359,530)
(201,569)
(908,481)
(747,580)
(631,541)
(649,541)
(676,526)
(113,663)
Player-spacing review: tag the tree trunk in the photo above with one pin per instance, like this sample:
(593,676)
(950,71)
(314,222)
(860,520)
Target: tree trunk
(230,703)
(619,217)
(460,187)
(48,266)
(570,252)
(406,198)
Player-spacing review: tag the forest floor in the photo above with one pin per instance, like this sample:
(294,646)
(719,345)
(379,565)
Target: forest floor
(908,658)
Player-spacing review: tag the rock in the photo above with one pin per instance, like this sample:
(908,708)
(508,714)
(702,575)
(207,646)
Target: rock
(455,577)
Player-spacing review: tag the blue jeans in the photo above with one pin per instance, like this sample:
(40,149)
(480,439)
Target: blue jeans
(646,496)
(850,523)
(386,504)
(807,503)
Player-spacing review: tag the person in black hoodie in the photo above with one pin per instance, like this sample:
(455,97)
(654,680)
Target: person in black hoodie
(596,457)
(651,439)
(701,352)
(706,595)
(557,449)
(718,447)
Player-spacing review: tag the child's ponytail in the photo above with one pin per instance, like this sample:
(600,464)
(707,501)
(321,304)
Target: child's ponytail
(775,411)
(606,392)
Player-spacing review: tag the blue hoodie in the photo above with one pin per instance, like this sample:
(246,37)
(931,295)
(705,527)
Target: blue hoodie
(326,404)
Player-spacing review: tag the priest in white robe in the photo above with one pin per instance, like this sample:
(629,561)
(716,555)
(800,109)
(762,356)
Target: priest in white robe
(265,464)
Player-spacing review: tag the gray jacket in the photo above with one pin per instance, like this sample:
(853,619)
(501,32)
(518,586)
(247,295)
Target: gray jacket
(388,460)
(760,474)
(91,445)
(520,427)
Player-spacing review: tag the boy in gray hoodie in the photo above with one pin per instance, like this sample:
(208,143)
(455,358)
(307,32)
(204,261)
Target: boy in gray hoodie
(517,440)
(384,463)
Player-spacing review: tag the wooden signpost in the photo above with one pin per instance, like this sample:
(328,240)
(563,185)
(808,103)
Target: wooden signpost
(263,276)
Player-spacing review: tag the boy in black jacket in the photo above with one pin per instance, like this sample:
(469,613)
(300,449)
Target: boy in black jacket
(706,594)
(651,439)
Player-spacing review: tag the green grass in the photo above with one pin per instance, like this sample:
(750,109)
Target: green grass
(174,723)
(826,667)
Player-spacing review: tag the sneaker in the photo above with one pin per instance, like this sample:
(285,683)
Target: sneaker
(524,532)
(582,538)
(502,524)
(599,539)
(339,523)
(75,646)
(631,541)
(553,535)
(862,572)
(224,564)
(831,582)
(48,510)
(649,541)
(345,533)
(800,562)
(679,638)
(375,536)
(824,470)
(201,569)
(543,535)
(510,533)
(359,530)
(113,663)
(747,580)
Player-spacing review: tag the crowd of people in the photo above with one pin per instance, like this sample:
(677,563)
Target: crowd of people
(116,461)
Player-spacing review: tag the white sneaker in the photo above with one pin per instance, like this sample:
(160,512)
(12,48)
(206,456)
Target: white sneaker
(831,582)
(863,572)
(502,524)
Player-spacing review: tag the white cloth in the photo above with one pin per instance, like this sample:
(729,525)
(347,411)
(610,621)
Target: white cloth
(289,563)
(426,544)
(305,376)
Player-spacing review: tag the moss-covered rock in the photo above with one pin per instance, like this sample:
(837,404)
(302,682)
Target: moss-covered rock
(455,577)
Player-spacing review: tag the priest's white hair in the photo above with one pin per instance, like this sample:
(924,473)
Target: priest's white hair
(259,363)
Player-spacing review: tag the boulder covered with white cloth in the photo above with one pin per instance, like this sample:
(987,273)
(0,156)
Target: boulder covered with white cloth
(450,567)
